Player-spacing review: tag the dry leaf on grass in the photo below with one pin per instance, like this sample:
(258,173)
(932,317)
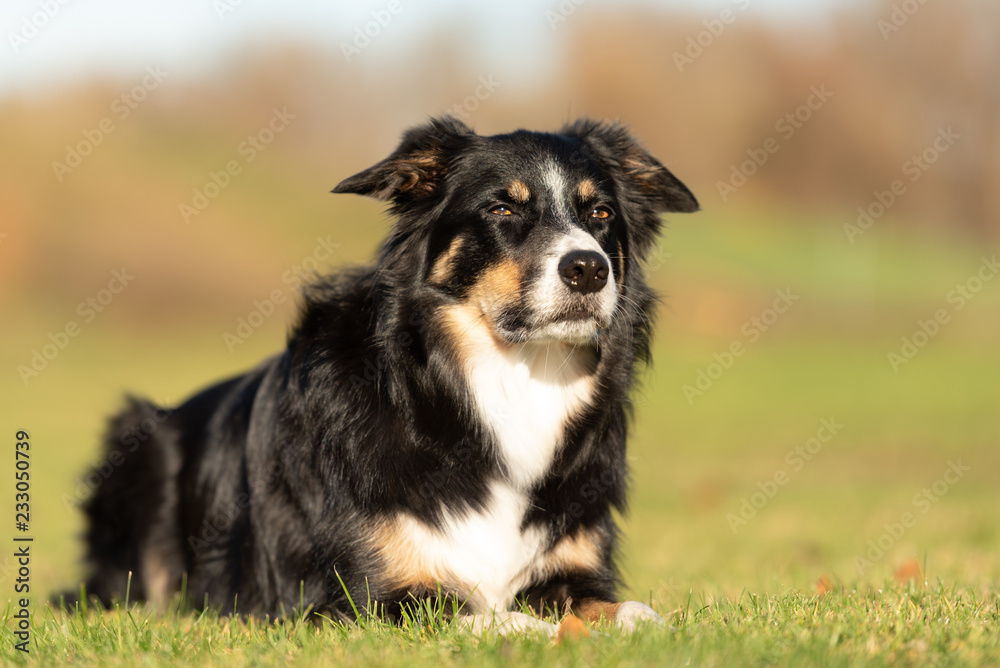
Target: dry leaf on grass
(909,571)
(572,627)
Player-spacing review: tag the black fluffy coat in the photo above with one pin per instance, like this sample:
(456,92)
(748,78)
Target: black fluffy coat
(260,491)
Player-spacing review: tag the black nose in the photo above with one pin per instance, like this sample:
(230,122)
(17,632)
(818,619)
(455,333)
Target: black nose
(584,271)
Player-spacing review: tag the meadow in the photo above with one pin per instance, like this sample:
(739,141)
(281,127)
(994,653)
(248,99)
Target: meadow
(801,498)
(815,454)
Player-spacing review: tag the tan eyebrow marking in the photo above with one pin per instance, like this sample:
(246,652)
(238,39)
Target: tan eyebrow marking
(586,189)
(519,192)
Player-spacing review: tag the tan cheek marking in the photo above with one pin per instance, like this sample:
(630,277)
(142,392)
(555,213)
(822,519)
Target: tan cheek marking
(498,285)
(519,192)
(468,326)
(443,266)
(586,189)
(469,335)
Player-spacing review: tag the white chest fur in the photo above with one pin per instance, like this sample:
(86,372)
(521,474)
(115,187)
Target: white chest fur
(483,554)
(525,395)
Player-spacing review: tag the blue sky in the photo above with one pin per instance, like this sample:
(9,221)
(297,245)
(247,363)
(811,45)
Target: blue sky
(46,42)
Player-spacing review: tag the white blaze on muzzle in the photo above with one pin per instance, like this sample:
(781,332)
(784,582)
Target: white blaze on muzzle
(551,299)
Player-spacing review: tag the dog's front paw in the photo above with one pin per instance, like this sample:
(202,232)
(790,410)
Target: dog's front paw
(632,614)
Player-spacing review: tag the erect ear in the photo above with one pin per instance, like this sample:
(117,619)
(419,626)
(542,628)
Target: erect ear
(614,145)
(417,166)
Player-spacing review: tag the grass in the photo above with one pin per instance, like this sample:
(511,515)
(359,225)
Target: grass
(745,597)
(897,625)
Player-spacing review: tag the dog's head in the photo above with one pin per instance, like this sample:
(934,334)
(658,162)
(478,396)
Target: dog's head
(536,233)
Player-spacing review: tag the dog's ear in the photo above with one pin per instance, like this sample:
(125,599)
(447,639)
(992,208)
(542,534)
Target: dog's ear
(614,145)
(647,187)
(415,170)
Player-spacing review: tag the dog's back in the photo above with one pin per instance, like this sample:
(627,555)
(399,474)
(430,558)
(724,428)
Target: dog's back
(200,492)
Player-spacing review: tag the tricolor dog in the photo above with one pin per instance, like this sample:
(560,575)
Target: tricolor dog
(449,421)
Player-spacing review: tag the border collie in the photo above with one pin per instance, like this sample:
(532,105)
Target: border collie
(448,422)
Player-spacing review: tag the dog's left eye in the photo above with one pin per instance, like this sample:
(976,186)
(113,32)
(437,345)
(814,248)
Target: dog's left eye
(600,213)
(501,211)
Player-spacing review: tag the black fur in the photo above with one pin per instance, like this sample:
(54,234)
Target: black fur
(271,482)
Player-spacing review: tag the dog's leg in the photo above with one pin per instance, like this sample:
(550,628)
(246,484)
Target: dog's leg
(627,615)
(505,623)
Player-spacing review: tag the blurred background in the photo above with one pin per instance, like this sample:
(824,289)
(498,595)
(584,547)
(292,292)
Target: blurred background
(825,393)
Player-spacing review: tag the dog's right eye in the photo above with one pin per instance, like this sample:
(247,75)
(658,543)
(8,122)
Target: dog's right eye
(501,211)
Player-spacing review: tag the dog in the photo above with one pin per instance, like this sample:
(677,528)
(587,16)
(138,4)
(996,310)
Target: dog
(447,424)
